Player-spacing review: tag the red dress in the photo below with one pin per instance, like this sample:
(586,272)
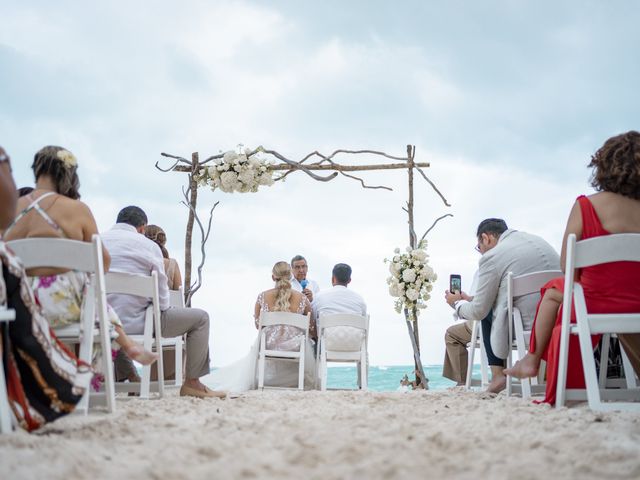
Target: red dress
(608,288)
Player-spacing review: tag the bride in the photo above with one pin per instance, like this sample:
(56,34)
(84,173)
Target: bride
(241,375)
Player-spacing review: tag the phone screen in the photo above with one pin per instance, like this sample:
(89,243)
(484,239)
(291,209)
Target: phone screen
(455,283)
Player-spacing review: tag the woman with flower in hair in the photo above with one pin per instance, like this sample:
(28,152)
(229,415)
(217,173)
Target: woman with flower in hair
(241,375)
(608,288)
(54,210)
(171,267)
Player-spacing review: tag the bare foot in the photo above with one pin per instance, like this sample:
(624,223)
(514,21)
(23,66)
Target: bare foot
(525,368)
(498,383)
(140,355)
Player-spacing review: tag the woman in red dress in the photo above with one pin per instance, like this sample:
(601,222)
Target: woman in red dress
(608,288)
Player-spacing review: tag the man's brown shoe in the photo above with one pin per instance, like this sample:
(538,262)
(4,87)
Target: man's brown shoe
(206,393)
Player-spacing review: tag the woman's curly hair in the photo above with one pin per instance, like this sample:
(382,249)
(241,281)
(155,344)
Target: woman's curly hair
(157,235)
(616,165)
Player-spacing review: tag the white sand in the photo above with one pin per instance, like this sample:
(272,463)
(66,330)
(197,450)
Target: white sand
(313,435)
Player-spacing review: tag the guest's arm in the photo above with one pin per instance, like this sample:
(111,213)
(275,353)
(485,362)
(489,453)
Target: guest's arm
(8,195)
(177,277)
(312,323)
(486,293)
(574,225)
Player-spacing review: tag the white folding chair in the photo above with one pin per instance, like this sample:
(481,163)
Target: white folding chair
(84,257)
(6,315)
(476,343)
(269,319)
(518,286)
(142,286)
(326,352)
(586,253)
(176,299)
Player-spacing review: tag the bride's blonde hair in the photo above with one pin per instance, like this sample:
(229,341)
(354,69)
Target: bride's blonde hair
(282,275)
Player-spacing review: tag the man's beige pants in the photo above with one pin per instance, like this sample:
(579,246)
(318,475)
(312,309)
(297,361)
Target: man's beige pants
(193,322)
(457,356)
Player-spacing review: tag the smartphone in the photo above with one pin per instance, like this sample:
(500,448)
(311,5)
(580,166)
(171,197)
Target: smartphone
(455,283)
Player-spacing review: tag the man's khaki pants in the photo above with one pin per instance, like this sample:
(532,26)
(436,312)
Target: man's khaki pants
(457,356)
(193,322)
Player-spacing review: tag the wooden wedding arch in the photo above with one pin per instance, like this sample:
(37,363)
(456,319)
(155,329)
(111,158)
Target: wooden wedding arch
(323,163)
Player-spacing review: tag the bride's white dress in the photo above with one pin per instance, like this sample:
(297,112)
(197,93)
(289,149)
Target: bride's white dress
(241,375)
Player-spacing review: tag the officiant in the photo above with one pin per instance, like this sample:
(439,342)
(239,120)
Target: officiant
(300,282)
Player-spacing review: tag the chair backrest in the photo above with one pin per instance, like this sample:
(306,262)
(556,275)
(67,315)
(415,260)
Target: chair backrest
(618,247)
(530,282)
(176,298)
(132,284)
(284,318)
(343,320)
(59,253)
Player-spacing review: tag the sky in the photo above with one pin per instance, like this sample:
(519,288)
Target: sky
(507,101)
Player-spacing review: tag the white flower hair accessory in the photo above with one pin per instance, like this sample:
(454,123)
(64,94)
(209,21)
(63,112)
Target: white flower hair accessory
(68,158)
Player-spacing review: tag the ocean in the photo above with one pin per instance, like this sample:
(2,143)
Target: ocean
(387,379)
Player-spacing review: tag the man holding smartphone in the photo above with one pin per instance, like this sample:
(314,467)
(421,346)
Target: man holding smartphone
(503,250)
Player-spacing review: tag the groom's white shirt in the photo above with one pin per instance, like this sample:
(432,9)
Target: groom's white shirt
(340,299)
(312,285)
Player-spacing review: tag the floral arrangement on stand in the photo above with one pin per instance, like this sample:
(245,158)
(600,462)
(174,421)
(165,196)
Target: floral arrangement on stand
(237,172)
(411,279)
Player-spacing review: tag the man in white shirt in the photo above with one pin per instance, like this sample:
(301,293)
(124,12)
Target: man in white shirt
(299,282)
(339,299)
(132,252)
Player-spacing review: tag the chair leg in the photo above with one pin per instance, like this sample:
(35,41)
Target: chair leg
(261,362)
(472,352)
(179,346)
(364,370)
(5,408)
(301,366)
(629,372)
(605,343)
(323,369)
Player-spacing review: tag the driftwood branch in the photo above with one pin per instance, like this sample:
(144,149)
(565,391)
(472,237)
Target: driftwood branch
(434,224)
(204,236)
(433,186)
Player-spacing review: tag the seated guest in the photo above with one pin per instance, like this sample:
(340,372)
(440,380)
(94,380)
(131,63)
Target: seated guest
(171,267)
(608,288)
(132,252)
(44,380)
(503,250)
(300,282)
(53,210)
(339,299)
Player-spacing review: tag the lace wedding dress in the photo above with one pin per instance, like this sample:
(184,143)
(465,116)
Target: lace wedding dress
(241,375)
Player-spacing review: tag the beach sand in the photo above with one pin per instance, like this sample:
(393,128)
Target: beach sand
(314,435)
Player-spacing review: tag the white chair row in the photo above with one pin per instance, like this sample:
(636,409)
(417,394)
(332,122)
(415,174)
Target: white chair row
(87,257)
(354,353)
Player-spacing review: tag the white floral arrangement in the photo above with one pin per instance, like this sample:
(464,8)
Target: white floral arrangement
(238,172)
(67,158)
(411,279)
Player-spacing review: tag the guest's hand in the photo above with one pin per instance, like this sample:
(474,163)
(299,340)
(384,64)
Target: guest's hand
(451,298)
(308,293)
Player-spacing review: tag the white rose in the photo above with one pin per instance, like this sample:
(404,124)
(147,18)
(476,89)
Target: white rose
(228,181)
(254,163)
(265,179)
(396,258)
(396,250)
(229,156)
(246,177)
(66,157)
(419,255)
(409,275)
(412,294)
(394,291)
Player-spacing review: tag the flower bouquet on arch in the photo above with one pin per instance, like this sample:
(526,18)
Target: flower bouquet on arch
(238,172)
(411,280)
